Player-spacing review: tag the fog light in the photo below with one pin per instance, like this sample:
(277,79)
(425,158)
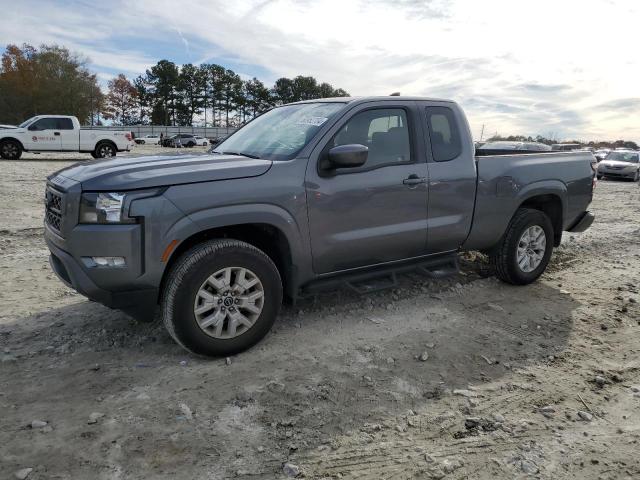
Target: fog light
(109,261)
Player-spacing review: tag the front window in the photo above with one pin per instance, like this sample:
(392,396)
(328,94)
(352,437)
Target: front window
(44,124)
(630,157)
(384,131)
(280,133)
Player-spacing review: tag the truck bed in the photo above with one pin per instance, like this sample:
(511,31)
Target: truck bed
(506,181)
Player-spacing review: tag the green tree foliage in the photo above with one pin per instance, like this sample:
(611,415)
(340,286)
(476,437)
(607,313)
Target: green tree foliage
(51,80)
(46,80)
(163,81)
(143,98)
(191,85)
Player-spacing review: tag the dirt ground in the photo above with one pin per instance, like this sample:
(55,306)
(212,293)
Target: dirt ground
(464,377)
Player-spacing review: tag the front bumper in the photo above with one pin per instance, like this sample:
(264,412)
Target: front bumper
(616,173)
(584,222)
(139,303)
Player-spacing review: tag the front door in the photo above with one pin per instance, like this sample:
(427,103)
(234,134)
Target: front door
(43,134)
(376,213)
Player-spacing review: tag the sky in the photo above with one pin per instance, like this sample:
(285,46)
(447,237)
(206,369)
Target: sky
(559,68)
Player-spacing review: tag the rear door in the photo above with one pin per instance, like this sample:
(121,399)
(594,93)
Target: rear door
(43,134)
(452,175)
(69,137)
(375,213)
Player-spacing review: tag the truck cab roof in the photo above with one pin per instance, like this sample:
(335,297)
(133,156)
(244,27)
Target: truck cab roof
(387,98)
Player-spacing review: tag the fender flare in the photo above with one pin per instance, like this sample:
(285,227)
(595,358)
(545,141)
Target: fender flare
(248,214)
(544,187)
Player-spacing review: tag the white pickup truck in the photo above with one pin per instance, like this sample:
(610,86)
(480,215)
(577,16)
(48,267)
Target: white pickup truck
(61,133)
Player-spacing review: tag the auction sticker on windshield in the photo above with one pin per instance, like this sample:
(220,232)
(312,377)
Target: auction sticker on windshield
(314,121)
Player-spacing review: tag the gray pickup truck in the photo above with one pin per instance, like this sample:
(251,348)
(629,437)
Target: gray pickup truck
(310,195)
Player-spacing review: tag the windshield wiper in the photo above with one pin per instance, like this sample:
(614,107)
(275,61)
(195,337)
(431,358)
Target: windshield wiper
(241,154)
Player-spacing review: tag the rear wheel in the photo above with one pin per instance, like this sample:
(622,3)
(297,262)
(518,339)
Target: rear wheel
(221,297)
(105,150)
(525,249)
(10,150)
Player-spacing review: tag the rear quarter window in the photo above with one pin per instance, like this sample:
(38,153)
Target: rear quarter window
(444,133)
(64,124)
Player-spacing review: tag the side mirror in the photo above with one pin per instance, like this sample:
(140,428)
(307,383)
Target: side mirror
(33,127)
(348,156)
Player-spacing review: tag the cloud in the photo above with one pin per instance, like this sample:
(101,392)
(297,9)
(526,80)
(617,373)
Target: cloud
(620,105)
(515,69)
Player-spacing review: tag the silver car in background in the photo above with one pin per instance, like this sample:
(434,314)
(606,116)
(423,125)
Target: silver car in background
(620,164)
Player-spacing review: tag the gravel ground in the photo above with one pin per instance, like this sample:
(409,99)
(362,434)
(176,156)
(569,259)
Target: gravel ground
(464,377)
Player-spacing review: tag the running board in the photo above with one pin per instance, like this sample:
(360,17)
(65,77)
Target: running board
(375,280)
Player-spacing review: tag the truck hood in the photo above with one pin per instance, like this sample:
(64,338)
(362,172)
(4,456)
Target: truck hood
(119,174)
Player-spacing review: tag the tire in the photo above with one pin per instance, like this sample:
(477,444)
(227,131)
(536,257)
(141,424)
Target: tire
(192,272)
(204,144)
(10,150)
(105,150)
(504,257)
(94,155)
(141,142)
(599,177)
(191,145)
(637,176)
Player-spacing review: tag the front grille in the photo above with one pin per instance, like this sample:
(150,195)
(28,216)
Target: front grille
(53,209)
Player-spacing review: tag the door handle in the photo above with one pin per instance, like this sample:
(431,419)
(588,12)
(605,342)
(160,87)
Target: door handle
(57,134)
(414,179)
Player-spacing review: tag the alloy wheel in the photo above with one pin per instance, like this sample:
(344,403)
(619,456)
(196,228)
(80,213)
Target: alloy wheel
(229,302)
(531,248)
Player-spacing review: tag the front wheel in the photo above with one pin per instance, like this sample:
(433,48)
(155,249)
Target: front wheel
(599,176)
(10,150)
(221,297)
(525,249)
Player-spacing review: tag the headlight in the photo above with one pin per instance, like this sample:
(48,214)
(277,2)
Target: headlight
(112,207)
(103,208)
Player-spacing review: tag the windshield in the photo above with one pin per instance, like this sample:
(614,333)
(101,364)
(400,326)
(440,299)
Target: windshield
(631,157)
(280,133)
(26,122)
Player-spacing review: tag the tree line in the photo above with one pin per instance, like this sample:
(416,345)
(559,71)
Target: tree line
(50,79)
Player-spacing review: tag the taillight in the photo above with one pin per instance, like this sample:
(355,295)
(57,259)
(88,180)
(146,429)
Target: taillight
(128,136)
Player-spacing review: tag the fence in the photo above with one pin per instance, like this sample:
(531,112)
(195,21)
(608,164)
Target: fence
(142,130)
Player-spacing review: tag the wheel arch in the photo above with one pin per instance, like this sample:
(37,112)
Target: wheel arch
(103,141)
(551,205)
(267,237)
(4,139)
